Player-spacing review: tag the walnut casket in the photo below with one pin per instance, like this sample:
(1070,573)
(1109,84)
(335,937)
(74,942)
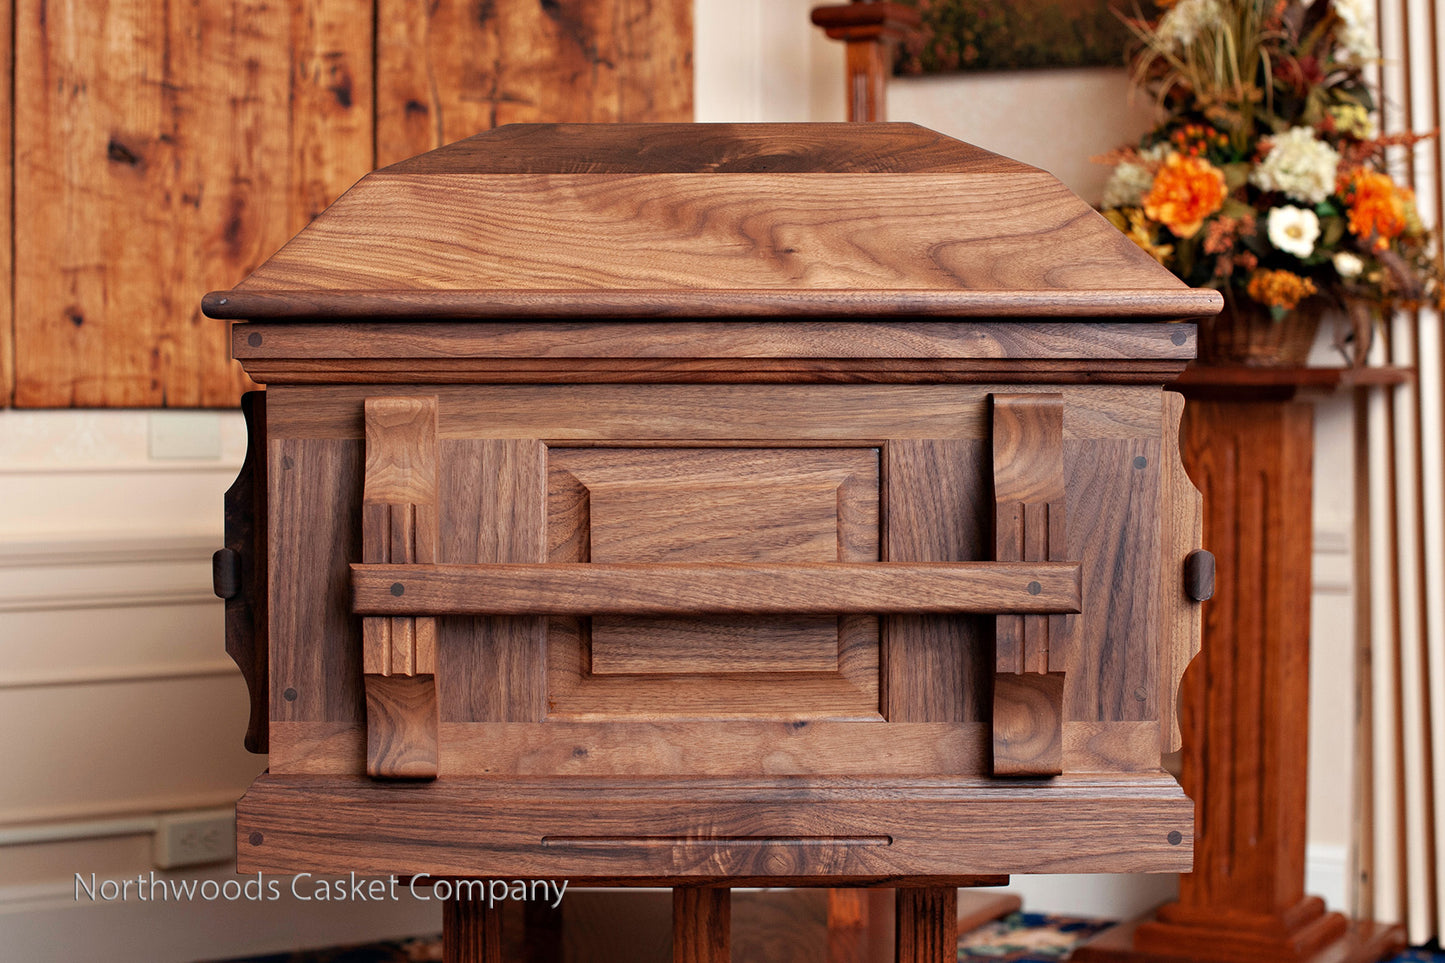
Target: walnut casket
(683,502)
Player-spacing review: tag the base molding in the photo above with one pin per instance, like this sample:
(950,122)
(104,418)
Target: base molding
(1329,938)
(779,831)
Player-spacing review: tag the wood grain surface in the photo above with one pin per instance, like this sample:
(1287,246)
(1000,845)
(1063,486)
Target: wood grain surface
(530,668)
(715,588)
(1028,724)
(399,524)
(796,339)
(709,148)
(493,505)
(401,727)
(926,924)
(857,479)
(471,931)
(937,668)
(399,518)
(555,225)
(877,830)
(230,138)
(711,371)
(730,668)
(859,925)
(821,745)
(448,69)
(711,351)
(232,127)
(689,415)
(246,528)
(742,520)
(1181,517)
(694,233)
(7,217)
(701,924)
(726,505)
(1114,673)
(878,302)
(790,741)
(314,527)
(1030,523)
(712,747)
(638,645)
(850,691)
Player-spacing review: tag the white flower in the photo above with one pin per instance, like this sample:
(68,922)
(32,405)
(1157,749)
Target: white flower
(1348,265)
(1299,165)
(1357,33)
(1130,181)
(1182,24)
(1128,185)
(1294,230)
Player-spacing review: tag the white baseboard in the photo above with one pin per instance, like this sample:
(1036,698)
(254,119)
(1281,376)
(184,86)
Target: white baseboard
(1127,896)
(1327,874)
(46,924)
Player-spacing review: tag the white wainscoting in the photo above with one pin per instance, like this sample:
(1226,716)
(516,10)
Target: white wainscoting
(117,699)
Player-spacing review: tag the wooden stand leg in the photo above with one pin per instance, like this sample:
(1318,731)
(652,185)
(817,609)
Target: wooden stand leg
(848,918)
(471,932)
(541,933)
(926,925)
(701,917)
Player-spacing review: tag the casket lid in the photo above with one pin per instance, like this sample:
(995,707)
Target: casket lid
(710,220)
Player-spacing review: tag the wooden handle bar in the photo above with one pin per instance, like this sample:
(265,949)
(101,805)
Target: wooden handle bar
(717,588)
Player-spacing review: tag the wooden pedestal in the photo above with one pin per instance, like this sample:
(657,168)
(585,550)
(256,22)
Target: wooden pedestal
(870,30)
(1243,709)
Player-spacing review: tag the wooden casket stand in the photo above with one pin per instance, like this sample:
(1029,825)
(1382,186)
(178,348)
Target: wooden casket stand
(713,505)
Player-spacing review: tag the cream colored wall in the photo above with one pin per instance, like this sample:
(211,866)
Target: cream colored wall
(1054,119)
(117,699)
(115,694)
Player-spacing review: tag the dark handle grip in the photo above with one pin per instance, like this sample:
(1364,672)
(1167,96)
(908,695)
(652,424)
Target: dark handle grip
(239,573)
(1199,575)
(226,573)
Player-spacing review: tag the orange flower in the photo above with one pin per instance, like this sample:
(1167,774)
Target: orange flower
(1279,289)
(1132,222)
(1376,206)
(1186,191)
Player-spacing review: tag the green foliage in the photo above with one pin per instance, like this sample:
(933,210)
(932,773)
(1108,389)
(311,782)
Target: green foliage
(993,35)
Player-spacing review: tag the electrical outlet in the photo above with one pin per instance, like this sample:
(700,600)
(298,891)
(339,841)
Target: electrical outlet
(196,837)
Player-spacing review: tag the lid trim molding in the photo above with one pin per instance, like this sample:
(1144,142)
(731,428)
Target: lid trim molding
(1093,304)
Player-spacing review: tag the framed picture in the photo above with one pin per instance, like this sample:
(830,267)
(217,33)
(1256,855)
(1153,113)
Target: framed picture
(1020,34)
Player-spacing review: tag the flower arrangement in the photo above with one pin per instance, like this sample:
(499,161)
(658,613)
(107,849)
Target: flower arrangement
(1265,178)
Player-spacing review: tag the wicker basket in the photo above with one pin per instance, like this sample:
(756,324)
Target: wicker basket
(1245,333)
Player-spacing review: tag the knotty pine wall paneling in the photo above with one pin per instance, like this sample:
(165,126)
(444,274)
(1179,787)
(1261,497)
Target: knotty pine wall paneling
(7,302)
(163,150)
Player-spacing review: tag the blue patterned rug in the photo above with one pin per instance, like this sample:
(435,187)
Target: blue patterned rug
(1043,938)
(1017,938)
(1027,936)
